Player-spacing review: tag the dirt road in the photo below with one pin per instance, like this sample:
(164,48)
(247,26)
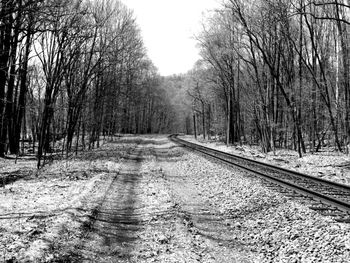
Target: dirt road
(145,199)
(152,214)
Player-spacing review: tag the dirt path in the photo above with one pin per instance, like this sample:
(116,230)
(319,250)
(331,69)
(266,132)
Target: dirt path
(125,202)
(210,231)
(144,199)
(151,214)
(116,223)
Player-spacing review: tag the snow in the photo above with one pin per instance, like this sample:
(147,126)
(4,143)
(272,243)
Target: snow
(43,205)
(330,165)
(178,207)
(270,226)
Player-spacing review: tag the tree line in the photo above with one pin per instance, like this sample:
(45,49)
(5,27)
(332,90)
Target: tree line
(274,73)
(71,71)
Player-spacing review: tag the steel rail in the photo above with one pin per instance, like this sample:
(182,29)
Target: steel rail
(219,155)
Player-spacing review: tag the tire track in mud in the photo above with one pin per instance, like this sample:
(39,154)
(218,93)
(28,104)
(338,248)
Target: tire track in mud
(139,221)
(150,214)
(115,224)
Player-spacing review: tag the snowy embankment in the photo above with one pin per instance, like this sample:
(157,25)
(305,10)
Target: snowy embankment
(330,165)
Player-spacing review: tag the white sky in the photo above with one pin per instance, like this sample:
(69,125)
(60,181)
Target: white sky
(167,29)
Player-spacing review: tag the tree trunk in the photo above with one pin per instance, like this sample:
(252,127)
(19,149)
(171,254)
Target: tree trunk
(203,118)
(6,24)
(195,125)
(228,118)
(343,35)
(22,90)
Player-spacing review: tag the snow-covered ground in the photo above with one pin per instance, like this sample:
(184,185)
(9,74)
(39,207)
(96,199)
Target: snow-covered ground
(144,199)
(36,211)
(260,224)
(328,165)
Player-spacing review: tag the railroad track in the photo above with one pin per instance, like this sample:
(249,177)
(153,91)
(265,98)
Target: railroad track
(331,198)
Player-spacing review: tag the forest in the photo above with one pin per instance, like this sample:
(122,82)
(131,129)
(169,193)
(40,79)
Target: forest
(242,157)
(271,73)
(72,71)
(275,73)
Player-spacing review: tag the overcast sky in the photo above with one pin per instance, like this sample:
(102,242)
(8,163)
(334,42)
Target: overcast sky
(167,28)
